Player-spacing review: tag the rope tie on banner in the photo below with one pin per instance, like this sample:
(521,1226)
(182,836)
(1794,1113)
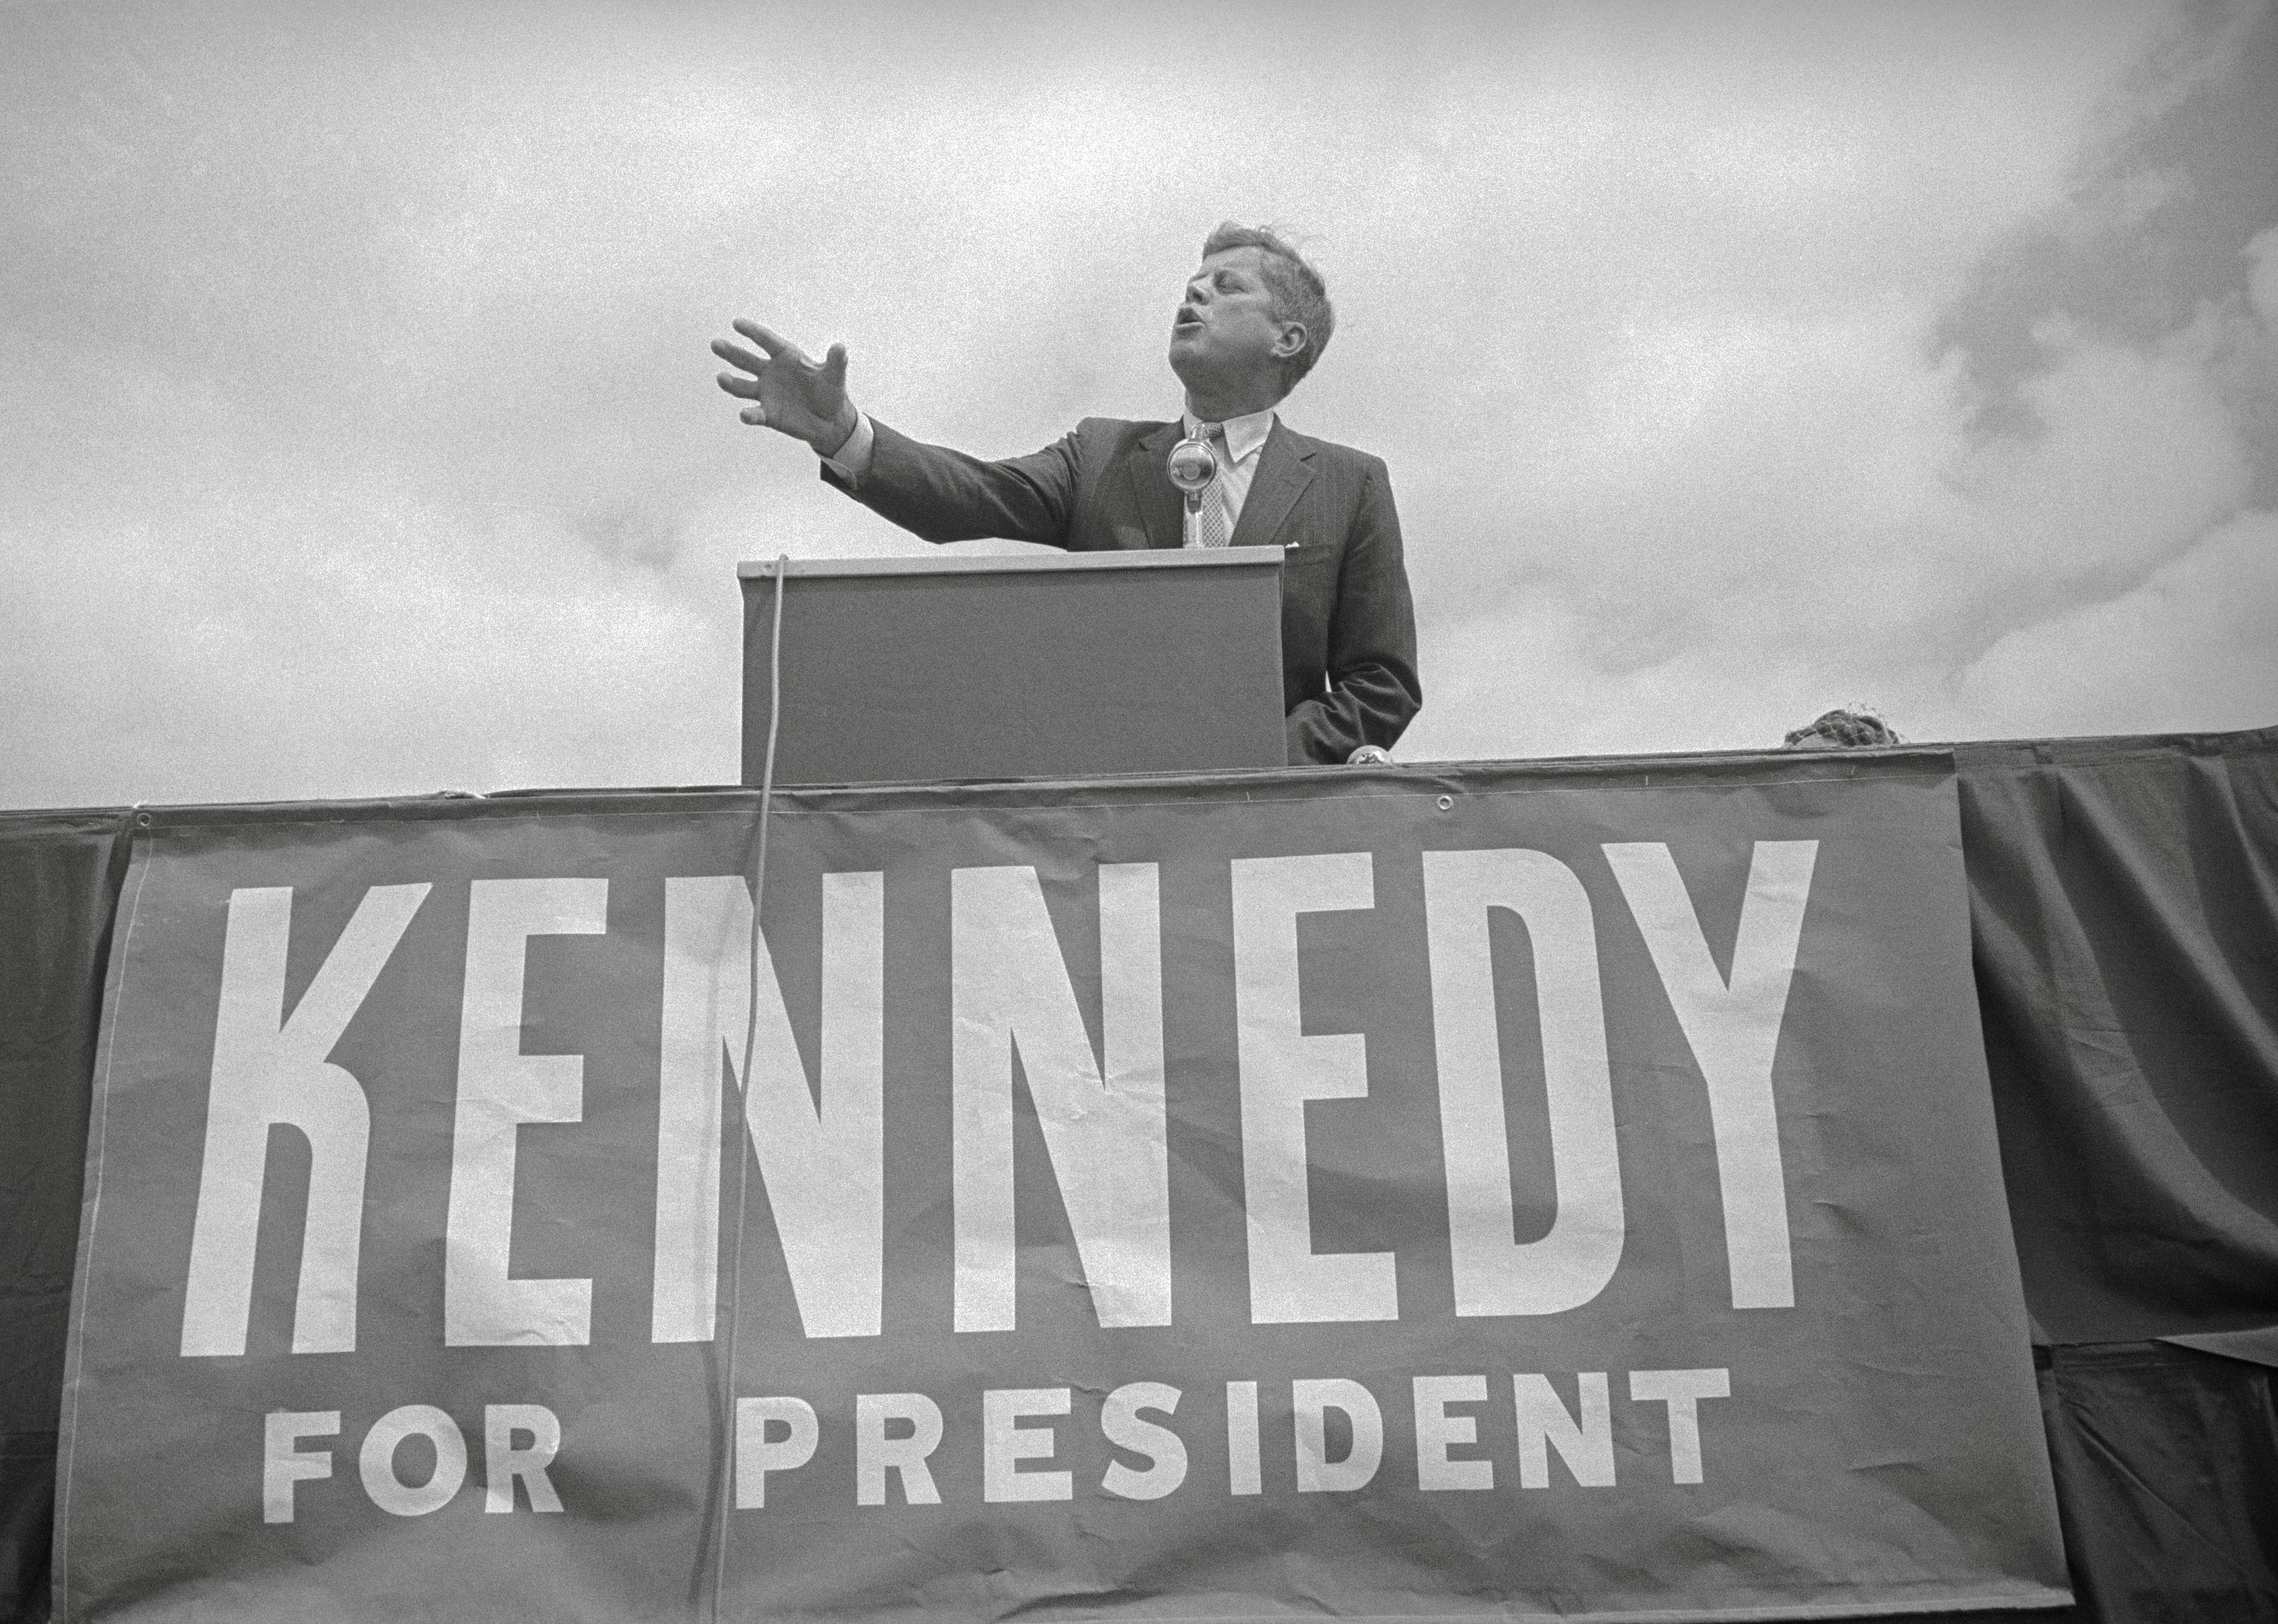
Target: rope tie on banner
(726,1499)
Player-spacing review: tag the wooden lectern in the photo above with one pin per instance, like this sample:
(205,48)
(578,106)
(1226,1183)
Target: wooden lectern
(961,665)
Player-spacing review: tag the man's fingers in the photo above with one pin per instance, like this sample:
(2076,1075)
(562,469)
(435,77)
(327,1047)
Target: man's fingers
(779,351)
(765,338)
(736,354)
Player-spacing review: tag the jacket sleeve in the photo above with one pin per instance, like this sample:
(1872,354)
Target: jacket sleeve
(1373,688)
(944,495)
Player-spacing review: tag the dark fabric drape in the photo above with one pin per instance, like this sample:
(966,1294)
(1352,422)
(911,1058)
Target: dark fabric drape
(2124,904)
(58,881)
(2166,1474)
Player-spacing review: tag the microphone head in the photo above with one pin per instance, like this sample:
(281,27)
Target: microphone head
(1193,465)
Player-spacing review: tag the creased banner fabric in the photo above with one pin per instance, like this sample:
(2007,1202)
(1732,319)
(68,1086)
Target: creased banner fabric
(1503,1193)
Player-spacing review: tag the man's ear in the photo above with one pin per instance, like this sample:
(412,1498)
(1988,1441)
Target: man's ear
(1290,341)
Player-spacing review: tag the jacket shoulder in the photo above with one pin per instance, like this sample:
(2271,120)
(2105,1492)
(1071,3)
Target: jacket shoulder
(1343,456)
(1116,431)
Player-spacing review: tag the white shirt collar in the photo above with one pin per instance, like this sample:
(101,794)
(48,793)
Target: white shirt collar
(1244,435)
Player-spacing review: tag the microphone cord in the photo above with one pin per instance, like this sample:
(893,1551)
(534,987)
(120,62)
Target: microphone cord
(744,1151)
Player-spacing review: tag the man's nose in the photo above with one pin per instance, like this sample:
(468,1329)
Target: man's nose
(1198,290)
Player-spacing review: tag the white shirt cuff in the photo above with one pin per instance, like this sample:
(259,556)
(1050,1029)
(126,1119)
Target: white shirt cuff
(851,461)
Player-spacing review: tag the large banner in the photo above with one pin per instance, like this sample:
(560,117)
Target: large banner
(1502,1194)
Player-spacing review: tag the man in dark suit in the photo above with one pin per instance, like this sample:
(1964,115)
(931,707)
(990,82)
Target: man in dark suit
(1254,318)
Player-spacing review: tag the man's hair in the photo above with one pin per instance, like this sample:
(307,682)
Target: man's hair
(1299,293)
(1850,728)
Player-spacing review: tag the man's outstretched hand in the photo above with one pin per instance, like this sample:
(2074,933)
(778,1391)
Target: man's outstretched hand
(795,395)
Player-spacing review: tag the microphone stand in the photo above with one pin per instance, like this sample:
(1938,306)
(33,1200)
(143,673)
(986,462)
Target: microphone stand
(1192,466)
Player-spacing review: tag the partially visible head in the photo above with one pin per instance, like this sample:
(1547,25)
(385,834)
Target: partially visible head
(1842,729)
(1254,306)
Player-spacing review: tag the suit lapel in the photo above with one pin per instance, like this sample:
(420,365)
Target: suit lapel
(1285,467)
(1157,498)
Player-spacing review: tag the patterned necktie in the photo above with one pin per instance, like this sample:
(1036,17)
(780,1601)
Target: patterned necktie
(1210,527)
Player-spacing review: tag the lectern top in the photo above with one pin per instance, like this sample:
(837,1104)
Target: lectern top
(988,664)
(1011,563)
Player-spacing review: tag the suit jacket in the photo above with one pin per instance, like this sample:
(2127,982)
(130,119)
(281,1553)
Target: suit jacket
(1348,627)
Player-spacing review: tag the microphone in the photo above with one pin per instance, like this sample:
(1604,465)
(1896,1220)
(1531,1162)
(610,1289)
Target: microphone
(1192,466)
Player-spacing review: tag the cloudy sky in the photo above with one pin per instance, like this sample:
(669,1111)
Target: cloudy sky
(1732,360)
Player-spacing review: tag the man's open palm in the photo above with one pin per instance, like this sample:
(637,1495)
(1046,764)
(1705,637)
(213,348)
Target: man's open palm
(803,398)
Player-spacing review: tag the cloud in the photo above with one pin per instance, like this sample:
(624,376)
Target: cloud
(1745,514)
(2262,281)
(2190,650)
(365,441)
(316,623)
(1759,518)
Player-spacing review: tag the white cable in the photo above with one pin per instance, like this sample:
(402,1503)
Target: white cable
(743,1151)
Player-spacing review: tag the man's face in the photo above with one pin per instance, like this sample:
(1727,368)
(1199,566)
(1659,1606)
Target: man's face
(1224,328)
